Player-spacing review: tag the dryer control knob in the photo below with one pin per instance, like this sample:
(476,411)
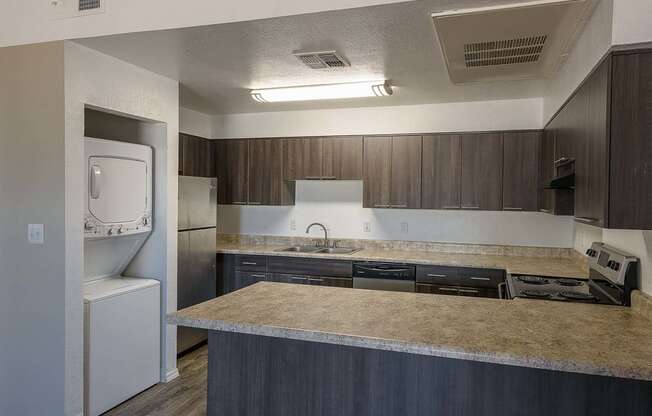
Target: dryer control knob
(88,226)
(110,231)
(120,231)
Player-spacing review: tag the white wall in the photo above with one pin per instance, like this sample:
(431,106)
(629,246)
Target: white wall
(195,123)
(338,204)
(592,44)
(632,21)
(30,21)
(32,188)
(103,82)
(467,116)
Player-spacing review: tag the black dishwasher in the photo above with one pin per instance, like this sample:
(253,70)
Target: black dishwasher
(384,276)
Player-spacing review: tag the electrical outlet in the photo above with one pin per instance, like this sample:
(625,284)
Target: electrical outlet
(404,228)
(293,224)
(35,234)
(366,227)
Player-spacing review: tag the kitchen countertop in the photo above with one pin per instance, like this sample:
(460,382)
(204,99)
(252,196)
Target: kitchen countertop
(543,266)
(573,337)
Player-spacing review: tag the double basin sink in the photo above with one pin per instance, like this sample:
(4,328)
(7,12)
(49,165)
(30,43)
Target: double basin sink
(319,250)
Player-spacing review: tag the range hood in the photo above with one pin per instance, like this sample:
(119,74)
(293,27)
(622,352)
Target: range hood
(515,41)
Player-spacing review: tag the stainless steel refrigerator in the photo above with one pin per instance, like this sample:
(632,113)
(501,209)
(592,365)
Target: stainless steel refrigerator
(197,234)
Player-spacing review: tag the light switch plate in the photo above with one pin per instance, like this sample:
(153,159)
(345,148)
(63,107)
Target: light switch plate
(293,224)
(404,227)
(366,227)
(35,233)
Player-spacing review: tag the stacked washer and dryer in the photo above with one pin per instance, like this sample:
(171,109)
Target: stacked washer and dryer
(121,314)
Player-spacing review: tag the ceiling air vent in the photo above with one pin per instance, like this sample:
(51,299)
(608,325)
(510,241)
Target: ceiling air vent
(86,5)
(322,60)
(504,52)
(512,41)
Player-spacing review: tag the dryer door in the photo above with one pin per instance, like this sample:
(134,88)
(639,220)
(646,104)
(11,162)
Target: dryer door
(117,189)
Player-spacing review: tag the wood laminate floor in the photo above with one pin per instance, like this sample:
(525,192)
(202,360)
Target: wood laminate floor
(184,396)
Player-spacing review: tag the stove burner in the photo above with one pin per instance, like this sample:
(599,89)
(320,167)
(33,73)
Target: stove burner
(536,294)
(577,296)
(569,282)
(533,280)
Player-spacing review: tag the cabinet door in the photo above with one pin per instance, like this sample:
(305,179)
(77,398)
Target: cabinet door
(521,171)
(232,179)
(406,172)
(591,169)
(441,172)
(195,156)
(482,171)
(342,158)
(266,184)
(302,158)
(437,290)
(377,172)
(630,205)
(547,171)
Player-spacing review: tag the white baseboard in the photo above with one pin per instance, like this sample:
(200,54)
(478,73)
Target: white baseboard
(171,375)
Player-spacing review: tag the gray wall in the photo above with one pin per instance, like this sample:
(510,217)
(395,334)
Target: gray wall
(32,278)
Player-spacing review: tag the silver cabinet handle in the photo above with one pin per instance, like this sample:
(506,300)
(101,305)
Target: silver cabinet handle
(311,279)
(254,203)
(451,207)
(381,206)
(436,275)
(469,291)
(469,207)
(312,178)
(448,289)
(297,278)
(398,205)
(239,203)
(329,178)
(501,287)
(484,279)
(96,181)
(586,219)
(547,211)
(249,263)
(512,209)
(258,276)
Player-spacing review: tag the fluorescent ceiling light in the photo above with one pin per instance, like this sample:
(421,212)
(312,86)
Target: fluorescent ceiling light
(324,92)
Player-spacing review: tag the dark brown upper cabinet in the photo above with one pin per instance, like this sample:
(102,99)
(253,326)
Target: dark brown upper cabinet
(552,201)
(232,171)
(342,158)
(606,127)
(302,159)
(441,171)
(335,158)
(521,158)
(630,162)
(482,171)
(392,172)
(195,156)
(266,184)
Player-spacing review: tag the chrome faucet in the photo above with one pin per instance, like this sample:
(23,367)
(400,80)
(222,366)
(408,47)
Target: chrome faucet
(325,231)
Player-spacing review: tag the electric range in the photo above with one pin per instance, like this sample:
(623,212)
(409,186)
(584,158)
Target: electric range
(612,277)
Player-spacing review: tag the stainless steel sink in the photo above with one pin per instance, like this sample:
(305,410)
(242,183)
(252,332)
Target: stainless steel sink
(319,250)
(300,249)
(338,250)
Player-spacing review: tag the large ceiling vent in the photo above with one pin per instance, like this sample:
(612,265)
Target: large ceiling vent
(516,41)
(322,60)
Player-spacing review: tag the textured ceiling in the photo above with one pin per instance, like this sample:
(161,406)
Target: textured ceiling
(217,65)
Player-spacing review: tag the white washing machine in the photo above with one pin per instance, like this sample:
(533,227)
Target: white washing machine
(122,315)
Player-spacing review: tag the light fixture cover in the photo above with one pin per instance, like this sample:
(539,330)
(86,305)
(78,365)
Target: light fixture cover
(324,92)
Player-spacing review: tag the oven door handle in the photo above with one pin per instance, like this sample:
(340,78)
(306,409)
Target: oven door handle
(374,269)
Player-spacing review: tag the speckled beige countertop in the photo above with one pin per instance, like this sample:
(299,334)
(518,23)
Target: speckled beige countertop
(573,337)
(543,266)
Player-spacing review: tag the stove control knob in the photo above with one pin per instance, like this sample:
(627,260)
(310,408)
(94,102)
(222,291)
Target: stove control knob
(611,264)
(588,252)
(615,266)
(110,231)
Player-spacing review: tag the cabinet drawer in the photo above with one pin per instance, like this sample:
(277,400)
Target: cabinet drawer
(244,279)
(288,278)
(251,263)
(482,278)
(476,292)
(437,290)
(310,267)
(331,281)
(437,275)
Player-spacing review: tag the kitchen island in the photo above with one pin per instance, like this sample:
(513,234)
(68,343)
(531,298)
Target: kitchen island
(282,349)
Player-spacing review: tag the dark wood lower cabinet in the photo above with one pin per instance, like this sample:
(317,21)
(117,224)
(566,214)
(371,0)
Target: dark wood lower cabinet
(254,375)
(474,292)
